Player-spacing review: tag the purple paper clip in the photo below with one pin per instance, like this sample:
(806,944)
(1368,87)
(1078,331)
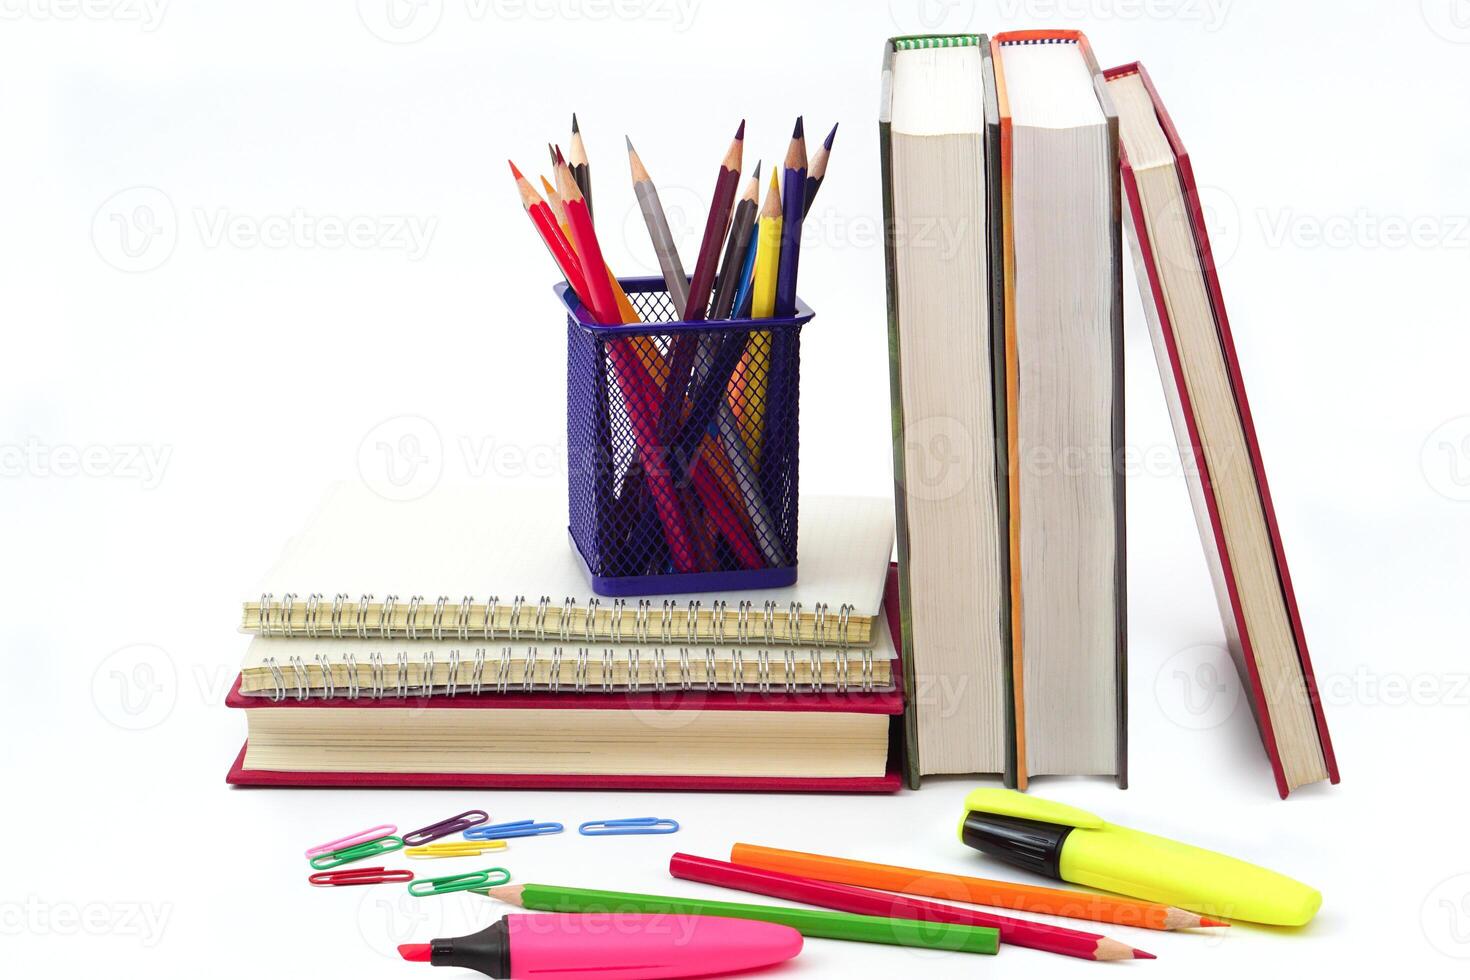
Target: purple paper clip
(451,825)
(361,837)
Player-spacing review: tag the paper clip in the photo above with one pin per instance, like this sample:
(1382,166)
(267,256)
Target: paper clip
(357,852)
(488,878)
(516,828)
(359,876)
(628,827)
(361,837)
(455,848)
(452,825)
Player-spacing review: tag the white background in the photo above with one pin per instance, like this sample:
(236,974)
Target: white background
(214,378)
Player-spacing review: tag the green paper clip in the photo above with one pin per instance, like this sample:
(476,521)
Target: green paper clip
(367,849)
(425,887)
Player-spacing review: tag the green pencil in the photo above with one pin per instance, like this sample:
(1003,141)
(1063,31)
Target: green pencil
(816,923)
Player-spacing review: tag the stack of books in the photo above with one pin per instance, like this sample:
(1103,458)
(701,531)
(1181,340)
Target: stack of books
(451,642)
(1006,165)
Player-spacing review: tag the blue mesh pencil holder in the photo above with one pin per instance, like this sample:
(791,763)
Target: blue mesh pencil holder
(682,448)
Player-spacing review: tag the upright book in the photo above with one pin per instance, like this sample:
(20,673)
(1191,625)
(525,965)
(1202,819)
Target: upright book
(1061,244)
(1180,288)
(939,127)
(1005,312)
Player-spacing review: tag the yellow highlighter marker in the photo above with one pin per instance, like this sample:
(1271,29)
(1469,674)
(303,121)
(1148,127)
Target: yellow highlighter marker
(1073,845)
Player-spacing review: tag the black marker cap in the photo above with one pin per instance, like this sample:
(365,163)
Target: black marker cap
(1028,844)
(487,951)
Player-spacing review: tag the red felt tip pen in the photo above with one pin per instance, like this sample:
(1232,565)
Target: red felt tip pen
(612,947)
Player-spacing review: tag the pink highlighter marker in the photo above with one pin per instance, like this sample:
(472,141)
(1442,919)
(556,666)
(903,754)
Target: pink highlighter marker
(612,947)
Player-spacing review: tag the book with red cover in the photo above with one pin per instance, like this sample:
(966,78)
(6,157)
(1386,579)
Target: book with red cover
(878,702)
(1178,395)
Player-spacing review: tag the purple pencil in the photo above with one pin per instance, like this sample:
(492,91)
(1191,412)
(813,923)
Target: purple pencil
(818,170)
(793,204)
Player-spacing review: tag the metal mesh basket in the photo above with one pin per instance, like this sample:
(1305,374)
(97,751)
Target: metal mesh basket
(682,448)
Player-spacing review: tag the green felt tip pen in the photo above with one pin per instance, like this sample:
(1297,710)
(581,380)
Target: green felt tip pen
(1073,845)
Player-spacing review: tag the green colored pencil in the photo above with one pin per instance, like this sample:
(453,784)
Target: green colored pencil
(816,923)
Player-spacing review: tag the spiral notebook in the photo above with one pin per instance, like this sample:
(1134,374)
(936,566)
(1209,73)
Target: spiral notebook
(494,563)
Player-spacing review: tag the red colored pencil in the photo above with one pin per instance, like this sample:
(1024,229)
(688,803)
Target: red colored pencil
(556,243)
(603,305)
(640,392)
(866,901)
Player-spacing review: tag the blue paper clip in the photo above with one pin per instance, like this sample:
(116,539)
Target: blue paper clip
(516,828)
(628,827)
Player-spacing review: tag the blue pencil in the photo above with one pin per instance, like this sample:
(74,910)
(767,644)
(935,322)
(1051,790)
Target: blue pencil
(741,309)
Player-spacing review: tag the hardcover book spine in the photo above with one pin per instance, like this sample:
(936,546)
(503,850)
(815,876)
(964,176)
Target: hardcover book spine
(912,769)
(1119,447)
(995,245)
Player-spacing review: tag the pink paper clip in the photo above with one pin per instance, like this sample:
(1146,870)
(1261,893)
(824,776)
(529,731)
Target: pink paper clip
(359,876)
(361,837)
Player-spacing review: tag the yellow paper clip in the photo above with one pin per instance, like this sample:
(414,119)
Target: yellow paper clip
(455,848)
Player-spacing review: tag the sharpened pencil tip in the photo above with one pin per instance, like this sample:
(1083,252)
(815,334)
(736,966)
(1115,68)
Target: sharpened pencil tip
(575,127)
(514,170)
(1212,922)
(559,158)
(627,139)
(1139,954)
(740,133)
(799,131)
(756,174)
(827,143)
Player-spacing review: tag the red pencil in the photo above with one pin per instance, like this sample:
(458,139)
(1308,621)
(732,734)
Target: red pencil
(639,391)
(601,303)
(556,242)
(866,901)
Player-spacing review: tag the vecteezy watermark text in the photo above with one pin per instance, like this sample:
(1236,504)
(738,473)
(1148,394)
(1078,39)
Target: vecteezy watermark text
(147,14)
(35,916)
(143,462)
(138,228)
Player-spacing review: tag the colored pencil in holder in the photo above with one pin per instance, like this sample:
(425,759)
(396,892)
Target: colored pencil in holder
(818,171)
(793,208)
(755,365)
(716,224)
(793,205)
(581,169)
(657,222)
(639,393)
(742,232)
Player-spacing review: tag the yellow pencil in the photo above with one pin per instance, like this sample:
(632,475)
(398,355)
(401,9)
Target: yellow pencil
(755,364)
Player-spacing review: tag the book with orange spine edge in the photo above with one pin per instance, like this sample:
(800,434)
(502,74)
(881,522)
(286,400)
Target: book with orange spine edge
(1012,362)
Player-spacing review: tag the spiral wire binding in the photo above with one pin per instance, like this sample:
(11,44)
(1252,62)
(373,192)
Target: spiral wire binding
(278,619)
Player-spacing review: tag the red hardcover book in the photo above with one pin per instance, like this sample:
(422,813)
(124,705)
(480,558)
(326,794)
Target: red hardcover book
(1174,370)
(887,703)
